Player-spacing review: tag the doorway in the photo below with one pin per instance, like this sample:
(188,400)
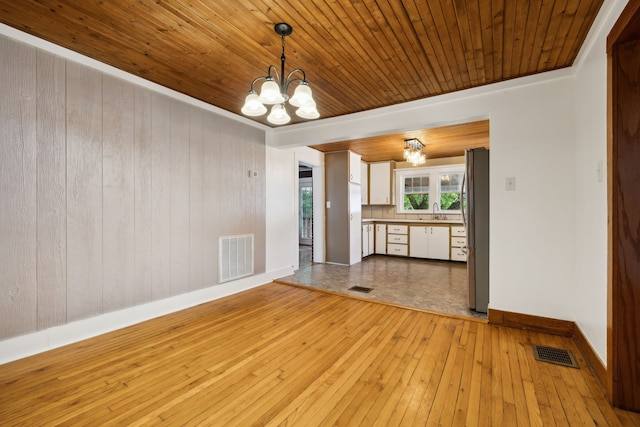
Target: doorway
(305,214)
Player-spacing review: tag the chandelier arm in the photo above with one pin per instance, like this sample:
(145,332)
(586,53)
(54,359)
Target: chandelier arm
(289,80)
(256,80)
(275,70)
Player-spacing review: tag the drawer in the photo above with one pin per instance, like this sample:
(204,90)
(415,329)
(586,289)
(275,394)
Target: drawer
(458,242)
(458,231)
(458,255)
(397,238)
(397,229)
(396,249)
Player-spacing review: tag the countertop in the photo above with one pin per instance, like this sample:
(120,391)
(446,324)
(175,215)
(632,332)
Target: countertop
(414,221)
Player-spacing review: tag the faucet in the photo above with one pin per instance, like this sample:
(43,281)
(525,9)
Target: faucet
(435,208)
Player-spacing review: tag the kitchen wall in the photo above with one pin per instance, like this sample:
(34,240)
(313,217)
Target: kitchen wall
(113,195)
(389,212)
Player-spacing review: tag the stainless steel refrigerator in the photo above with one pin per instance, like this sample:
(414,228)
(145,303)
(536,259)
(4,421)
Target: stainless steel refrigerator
(476,220)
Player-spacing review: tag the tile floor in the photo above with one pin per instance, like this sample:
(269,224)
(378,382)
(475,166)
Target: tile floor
(439,286)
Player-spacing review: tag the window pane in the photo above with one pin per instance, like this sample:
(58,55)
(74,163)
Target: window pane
(450,182)
(416,184)
(416,201)
(450,201)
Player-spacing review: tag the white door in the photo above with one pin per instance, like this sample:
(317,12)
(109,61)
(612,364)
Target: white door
(381,239)
(355,224)
(439,242)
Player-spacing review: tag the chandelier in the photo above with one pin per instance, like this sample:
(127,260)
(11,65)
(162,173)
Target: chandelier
(274,91)
(413,151)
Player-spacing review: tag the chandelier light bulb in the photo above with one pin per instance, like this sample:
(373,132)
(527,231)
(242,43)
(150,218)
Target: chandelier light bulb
(278,115)
(270,93)
(308,111)
(252,107)
(302,96)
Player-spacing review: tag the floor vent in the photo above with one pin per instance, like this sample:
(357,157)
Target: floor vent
(558,356)
(360,289)
(236,257)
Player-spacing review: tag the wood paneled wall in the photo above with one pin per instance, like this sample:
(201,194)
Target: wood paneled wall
(112,195)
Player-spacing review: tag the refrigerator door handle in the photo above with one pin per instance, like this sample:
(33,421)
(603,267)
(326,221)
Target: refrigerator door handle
(464,218)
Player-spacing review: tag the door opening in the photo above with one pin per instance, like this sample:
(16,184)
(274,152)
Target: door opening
(305,214)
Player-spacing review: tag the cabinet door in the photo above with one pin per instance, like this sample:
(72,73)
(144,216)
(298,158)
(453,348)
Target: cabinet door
(380,184)
(355,224)
(371,237)
(418,241)
(381,239)
(364,183)
(367,240)
(354,168)
(438,242)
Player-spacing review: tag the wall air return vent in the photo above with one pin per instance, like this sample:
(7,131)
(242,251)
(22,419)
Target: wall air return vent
(236,257)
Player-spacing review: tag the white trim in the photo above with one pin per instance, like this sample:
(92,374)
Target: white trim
(434,173)
(58,336)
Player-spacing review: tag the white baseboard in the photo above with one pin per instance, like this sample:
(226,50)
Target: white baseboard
(58,336)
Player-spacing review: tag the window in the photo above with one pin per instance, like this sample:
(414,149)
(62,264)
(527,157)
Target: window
(450,186)
(416,193)
(420,189)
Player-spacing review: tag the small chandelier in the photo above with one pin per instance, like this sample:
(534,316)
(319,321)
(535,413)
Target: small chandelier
(413,151)
(274,91)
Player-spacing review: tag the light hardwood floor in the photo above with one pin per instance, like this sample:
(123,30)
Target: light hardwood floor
(287,355)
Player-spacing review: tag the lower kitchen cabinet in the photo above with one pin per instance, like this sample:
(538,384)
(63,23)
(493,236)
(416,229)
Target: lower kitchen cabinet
(367,239)
(381,239)
(430,241)
(458,244)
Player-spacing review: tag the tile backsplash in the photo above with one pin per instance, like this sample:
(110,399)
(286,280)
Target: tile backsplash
(389,212)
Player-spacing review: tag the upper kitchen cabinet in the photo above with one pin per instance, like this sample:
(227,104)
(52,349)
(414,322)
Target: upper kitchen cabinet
(381,183)
(354,167)
(364,183)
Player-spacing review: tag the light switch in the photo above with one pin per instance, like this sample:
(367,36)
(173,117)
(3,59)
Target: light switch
(599,170)
(328,204)
(510,184)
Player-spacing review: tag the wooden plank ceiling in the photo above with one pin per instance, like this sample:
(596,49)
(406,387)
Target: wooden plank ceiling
(445,141)
(358,55)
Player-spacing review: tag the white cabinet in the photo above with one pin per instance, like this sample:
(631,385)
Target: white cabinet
(364,183)
(381,183)
(355,224)
(458,243)
(429,242)
(397,239)
(354,168)
(367,240)
(381,239)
